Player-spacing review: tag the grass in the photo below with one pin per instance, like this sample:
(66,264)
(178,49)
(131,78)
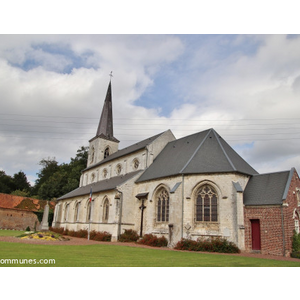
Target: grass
(123,256)
(126,256)
(11,232)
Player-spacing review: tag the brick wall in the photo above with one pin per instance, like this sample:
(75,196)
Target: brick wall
(271,223)
(270,228)
(17,219)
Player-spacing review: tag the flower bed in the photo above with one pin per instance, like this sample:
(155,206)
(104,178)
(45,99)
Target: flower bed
(43,235)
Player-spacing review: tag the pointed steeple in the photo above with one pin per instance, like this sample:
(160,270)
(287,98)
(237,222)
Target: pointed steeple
(105,127)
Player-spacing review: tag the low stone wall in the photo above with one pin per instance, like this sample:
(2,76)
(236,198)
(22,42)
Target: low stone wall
(18,219)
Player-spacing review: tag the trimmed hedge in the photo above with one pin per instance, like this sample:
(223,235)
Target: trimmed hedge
(128,236)
(220,245)
(153,240)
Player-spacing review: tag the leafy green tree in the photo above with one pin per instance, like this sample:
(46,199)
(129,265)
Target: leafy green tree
(7,184)
(49,167)
(56,180)
(21,182)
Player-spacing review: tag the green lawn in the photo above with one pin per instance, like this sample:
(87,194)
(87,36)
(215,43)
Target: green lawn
(10,232)
(125,256)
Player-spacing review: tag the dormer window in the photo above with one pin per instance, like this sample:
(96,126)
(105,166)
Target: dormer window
(106,152)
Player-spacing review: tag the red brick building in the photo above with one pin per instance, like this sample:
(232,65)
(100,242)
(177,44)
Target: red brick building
(17,212)
(271,210)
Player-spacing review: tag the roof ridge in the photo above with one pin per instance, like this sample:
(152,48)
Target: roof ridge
(231,163)
(197,149)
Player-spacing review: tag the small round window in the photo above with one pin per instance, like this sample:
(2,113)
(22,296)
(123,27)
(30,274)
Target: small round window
(136,164)
(105,173)
(119,169)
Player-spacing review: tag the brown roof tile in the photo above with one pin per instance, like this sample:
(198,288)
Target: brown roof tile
(23,203)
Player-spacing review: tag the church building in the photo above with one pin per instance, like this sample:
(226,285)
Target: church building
(193,187)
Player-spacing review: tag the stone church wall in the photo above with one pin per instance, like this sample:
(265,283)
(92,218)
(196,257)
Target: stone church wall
(228,208)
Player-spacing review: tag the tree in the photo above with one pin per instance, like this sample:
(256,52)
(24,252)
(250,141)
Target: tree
(49,167)
(21,182)
(56,180)
(7,184)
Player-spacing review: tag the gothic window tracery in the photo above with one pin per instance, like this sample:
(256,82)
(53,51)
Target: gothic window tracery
(206,204)
(162,211)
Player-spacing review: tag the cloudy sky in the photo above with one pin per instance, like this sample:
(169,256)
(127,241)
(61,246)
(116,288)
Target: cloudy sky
(52,88)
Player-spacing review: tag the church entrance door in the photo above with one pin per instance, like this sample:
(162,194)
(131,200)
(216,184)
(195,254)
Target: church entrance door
(255,229)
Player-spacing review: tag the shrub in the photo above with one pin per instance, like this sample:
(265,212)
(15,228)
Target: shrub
(295,245)
(27,228)
(295,254)
(81,233)
(296,242)
(103,236)
(153,240)
(129,236)
(220,245)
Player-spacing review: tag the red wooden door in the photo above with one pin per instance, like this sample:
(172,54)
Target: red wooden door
(255,228)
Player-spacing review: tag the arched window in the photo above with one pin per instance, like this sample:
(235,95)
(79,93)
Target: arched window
(89,212)
(66,212)
(106,152)
(162,211)
(207,204)
(77,208)
(105,210)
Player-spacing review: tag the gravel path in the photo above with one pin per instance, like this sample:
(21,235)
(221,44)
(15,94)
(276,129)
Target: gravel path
(80,241)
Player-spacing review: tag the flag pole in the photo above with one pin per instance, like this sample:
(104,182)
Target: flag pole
(90,201)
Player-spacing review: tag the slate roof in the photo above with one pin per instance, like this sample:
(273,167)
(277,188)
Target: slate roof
(203,152)
(105,127)
(268,189)
(125,151)
(103,185)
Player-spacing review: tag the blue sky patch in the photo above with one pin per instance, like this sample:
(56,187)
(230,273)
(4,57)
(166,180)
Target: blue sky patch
(54,57)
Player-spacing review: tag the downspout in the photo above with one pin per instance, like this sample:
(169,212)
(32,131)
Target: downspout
(182,210)
(120,215)
(283,234)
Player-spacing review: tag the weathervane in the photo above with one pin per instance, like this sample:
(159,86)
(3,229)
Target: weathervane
(110,74)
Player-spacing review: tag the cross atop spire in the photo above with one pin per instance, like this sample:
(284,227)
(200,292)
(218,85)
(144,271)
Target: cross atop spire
(105,127)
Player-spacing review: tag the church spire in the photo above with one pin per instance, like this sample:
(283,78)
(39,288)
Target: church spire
(105,127)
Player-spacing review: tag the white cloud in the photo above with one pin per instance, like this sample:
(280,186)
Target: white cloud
(246,87)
